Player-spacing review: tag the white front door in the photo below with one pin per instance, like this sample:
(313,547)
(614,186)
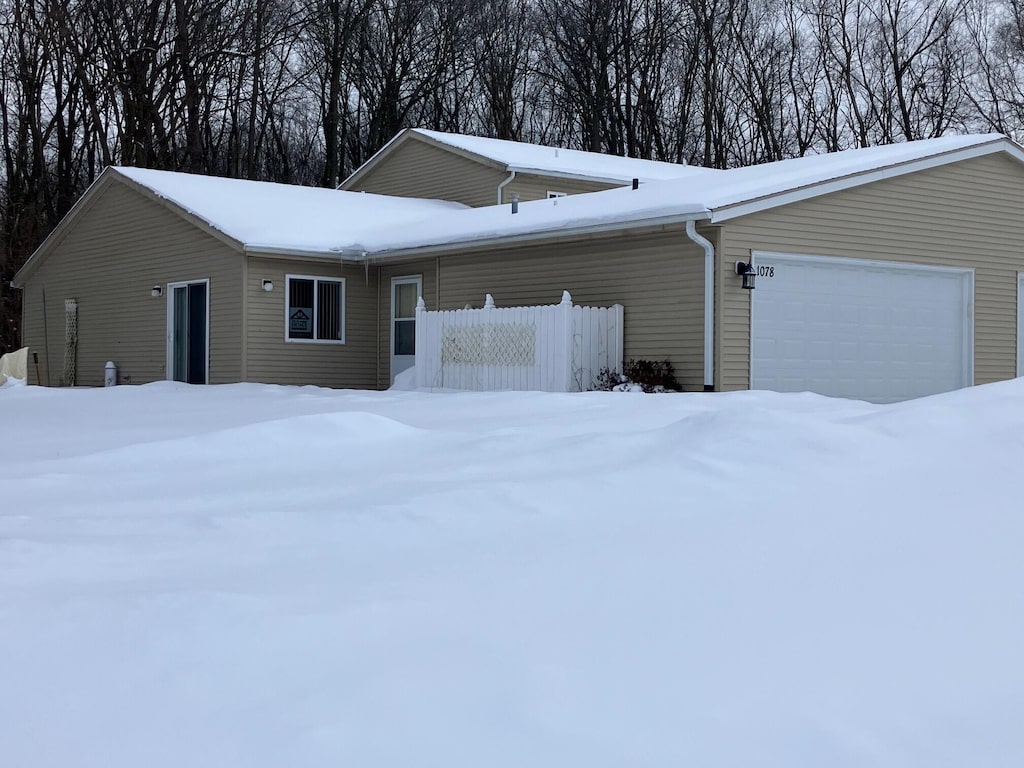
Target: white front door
(405,292)
(188,332)
(871,330)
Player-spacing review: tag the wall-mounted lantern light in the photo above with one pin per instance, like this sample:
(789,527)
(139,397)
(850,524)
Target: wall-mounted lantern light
(746,270)
(268,285)
(157,291)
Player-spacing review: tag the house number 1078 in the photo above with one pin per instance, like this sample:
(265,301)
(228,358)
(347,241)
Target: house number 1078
(765,270)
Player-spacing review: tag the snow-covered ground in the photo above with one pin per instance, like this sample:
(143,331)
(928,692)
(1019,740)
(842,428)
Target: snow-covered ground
(261,576)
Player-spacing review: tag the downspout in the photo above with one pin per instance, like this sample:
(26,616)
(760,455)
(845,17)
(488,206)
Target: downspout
(501,187)
(377,322)
(709,303)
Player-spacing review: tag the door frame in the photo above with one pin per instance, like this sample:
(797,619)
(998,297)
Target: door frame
(893,266)
(169,293)
(396,281)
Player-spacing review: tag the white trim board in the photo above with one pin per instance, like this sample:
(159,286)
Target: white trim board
(1020,323)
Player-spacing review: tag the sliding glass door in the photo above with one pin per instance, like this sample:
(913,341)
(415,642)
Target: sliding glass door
(188,313)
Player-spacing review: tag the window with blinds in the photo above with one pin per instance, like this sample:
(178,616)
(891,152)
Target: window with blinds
(315,310)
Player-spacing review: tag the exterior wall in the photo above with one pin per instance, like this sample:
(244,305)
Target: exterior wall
(657,276)
(428,270)
(418,169)
(109,260)
(271,359)
(967,214)
(534,187)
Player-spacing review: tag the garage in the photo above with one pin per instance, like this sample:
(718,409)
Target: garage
(880,331)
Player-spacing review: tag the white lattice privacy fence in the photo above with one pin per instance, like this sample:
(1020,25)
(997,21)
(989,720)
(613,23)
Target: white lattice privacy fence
(69,373)
(554,348)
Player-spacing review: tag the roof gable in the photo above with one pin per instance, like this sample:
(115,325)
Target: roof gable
(522,157)
(563,163)
(391,149)
(62,229)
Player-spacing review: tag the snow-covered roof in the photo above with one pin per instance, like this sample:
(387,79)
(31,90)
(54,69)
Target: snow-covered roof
(285,217)
(708,194)
(534,158)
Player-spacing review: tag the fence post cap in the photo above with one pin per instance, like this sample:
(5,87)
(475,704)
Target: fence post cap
(566,298)
(488,301)
(420,303)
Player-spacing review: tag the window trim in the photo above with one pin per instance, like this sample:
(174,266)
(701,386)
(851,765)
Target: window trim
(316,293)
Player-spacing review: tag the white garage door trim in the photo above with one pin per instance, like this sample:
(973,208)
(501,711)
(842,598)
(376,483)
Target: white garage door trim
(894,266)
(1020,323)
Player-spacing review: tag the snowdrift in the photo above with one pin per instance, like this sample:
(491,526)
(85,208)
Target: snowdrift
(262,576)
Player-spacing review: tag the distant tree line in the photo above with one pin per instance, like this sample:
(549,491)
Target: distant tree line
(304,91)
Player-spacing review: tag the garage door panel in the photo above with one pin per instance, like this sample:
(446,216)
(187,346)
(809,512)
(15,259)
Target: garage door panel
(873,330)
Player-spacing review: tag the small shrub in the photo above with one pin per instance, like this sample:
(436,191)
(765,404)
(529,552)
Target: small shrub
(652,375)
(607,380)
(645,375)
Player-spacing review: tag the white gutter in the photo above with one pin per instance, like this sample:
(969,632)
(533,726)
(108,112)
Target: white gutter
(612,180)
(709,302)
(501,187)
(384,254)
(270,251)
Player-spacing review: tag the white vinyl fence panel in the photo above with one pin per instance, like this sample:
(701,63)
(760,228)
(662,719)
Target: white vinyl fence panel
(554,348)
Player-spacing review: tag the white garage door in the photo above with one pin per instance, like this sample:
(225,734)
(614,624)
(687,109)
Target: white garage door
(872,330)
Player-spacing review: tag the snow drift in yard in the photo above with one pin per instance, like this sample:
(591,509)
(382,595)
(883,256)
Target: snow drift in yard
(262,576)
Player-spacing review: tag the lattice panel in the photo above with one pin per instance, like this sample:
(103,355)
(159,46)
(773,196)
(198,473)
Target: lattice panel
(489,344)
(70,370)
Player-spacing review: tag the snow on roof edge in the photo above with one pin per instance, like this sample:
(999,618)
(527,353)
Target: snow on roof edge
(738,188)
(523,156)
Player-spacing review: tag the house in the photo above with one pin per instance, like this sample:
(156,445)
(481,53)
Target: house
(203,279)
(881,273)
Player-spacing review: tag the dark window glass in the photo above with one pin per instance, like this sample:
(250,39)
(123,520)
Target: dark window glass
(197,333)
(328,310)
(405,337)
(300,309)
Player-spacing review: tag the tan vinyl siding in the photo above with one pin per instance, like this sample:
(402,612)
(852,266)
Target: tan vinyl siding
(273,360)
(536,187)
(418,169)
(425,268)
(658,277)
(967,214)
(109,260)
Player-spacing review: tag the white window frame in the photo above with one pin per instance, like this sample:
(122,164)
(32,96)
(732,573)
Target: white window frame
(316,298)
(169,297)
(553,194)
